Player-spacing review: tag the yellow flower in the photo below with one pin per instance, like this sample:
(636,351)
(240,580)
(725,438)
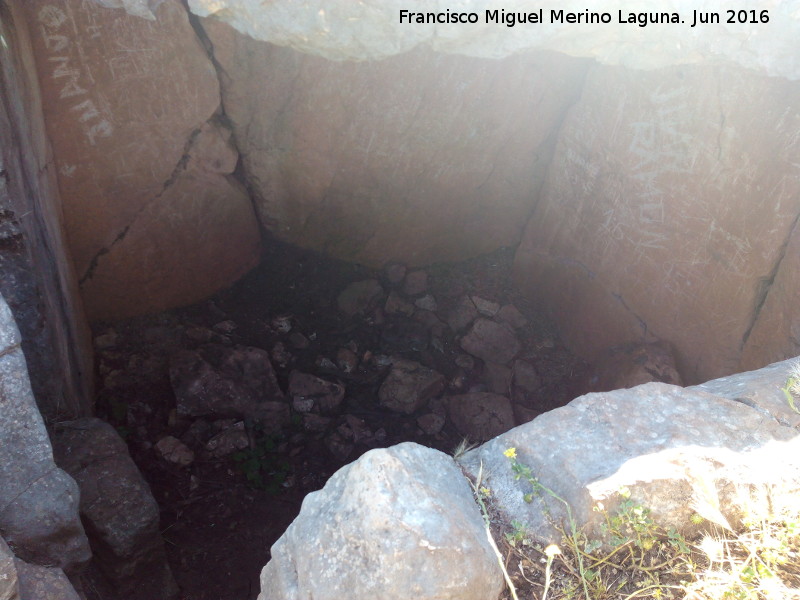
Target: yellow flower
(552,550)
(511,453)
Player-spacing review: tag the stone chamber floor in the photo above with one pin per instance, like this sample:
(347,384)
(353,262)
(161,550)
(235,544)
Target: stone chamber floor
(234,409)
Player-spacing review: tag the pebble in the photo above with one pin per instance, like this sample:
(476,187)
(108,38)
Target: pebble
(395,304)
(225,327)
(174,451)
(426,302)
(431,423)
(346,360)
(227,442)
(488,308)
(282,323)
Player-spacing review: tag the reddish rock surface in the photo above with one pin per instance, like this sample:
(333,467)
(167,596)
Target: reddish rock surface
(480,416)
(634,364)
(491,341)
(149,210)
(419,158)
(665,212)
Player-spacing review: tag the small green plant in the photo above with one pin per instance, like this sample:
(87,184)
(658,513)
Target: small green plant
(637,558)
(792,388)
(518,535)
(263,466)
(524,472)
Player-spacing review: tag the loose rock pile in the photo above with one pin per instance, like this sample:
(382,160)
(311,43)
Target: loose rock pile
(406,354)
(307,365)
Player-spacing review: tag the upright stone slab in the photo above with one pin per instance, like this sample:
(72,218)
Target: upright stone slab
(152,216)
(666,213)
(775,334)
(116,503)
(420,157)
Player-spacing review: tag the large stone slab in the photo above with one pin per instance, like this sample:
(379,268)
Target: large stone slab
(38,501)
(666,211)
(116,503)
(142,164)
(421,157)
(678,451)
(399,523)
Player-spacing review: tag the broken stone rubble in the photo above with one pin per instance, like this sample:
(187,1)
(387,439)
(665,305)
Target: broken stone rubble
(227,361)
(220,381)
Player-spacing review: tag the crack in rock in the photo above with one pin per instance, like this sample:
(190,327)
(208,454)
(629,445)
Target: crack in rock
(179,168)
(765,283)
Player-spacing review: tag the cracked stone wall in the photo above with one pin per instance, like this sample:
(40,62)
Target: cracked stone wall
(667,212)
(422,157)
(658,203)
(143,158)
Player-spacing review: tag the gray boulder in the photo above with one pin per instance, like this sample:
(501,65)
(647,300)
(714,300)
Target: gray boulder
(50,583)
(678,451)
(398,524)
(121,514)
(9,587)
(38,501)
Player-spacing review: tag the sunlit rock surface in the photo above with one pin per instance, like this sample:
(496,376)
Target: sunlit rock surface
(342,29)
(666,214)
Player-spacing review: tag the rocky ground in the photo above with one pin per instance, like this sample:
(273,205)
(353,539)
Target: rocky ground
(236,408)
